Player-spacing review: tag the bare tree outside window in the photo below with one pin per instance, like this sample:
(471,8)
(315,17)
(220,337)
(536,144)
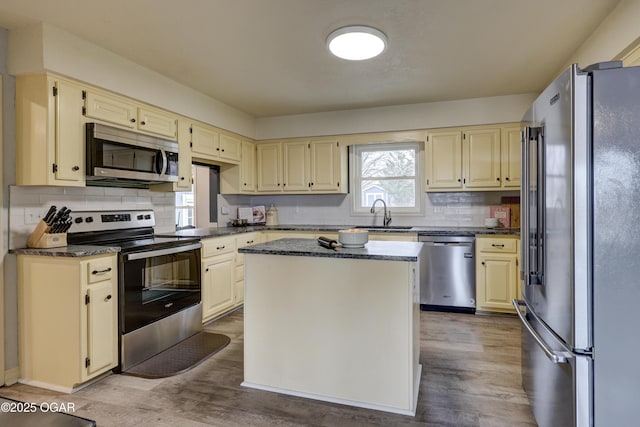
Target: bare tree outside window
(389,172)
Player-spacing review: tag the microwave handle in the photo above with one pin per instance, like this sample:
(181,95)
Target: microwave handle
(161,163)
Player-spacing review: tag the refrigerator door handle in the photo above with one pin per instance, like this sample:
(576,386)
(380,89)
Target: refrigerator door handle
(553,355)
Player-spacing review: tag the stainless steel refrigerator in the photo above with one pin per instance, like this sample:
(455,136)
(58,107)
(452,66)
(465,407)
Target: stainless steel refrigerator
(580,234)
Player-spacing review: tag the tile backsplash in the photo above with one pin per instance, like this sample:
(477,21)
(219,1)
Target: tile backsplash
(465,209)
(26,204)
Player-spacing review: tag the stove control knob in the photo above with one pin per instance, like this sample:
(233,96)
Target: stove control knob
(140,217)
(88,219)
(147,217)
(78,220)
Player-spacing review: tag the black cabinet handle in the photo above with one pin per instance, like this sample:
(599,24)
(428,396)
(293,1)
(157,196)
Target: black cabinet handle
(75,168)
(482,263)
(106,270)
(498,179)
(220,247)
(182,178)
(497,246)
(107,298)
(133,120)
(143,123)
(249,242)
(206,270)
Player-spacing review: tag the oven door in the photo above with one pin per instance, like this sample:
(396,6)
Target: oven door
(158,283)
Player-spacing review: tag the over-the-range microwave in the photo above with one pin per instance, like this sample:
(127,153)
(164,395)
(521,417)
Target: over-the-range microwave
(115,154)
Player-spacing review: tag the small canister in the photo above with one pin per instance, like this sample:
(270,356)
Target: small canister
(272,215)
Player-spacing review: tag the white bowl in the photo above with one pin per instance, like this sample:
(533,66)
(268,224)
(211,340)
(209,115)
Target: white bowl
(353,238)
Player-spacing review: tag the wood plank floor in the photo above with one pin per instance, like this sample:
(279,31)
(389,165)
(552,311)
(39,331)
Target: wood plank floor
(470,377)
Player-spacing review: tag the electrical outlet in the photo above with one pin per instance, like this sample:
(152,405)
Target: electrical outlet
(224,210)
(32,216)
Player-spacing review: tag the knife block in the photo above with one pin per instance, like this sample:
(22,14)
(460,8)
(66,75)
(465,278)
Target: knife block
(41,238)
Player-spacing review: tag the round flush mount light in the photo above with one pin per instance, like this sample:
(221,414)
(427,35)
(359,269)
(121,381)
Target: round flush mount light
(356,42)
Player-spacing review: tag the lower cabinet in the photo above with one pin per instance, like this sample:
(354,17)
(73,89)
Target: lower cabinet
(68,319)
(242,241)
(218,276)
(497,275)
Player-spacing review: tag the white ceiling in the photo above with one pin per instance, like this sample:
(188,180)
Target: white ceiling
(268,57)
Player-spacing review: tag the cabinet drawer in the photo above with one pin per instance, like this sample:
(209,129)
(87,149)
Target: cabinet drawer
(501,245)
(212,247)
(99,270)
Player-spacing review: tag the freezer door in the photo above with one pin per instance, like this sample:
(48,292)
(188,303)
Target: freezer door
(554,178)
(557,381)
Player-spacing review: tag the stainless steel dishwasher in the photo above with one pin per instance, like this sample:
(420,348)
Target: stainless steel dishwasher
(449,283)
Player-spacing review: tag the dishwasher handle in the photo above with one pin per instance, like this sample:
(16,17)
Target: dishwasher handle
(465,244)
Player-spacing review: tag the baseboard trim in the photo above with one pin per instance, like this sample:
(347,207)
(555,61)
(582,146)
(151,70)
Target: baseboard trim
(331,399)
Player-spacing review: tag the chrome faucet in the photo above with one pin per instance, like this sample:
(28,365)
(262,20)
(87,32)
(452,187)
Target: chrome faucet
(386,220)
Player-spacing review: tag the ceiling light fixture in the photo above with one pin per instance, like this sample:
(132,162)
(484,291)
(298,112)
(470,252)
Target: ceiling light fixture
(356,42)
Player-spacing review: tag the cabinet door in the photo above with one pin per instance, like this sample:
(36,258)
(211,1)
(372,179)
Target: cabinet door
(69,135)
(510,146)
(295,159)
(110,109)
(481,156)
(495,283)
(218,279)
(248,167)
(230,148)
(444,157)
(269,167)
(205,142)
(101,319)
(158,122)
(184,157)
(325,166)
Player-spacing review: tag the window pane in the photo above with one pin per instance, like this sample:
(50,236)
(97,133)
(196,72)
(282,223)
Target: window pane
(388,163)
(395,192)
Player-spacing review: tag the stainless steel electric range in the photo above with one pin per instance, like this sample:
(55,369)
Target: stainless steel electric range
(158,280)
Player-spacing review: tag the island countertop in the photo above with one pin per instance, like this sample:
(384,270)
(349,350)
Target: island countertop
(374,249)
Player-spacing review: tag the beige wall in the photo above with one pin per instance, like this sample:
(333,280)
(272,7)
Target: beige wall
(613,35)
(43,47)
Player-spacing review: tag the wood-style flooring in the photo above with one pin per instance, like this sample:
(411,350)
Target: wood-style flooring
(470,377)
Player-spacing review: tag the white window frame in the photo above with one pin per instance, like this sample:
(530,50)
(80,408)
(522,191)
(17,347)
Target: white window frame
(356,183)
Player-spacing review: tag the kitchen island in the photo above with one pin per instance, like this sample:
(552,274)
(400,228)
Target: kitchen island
(337,325)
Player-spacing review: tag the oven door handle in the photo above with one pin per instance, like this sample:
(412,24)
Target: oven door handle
(160,252)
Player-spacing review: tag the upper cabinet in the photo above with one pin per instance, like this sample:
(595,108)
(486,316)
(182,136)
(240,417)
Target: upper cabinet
(241,178)
(49,132)
(511,156)
(211,144)
(318,166)
(471,159)
(123,112)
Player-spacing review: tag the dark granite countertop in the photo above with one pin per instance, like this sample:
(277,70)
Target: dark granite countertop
(227,231)
(68,251)
(374,250)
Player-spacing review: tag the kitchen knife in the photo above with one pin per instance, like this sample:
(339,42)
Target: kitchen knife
(56,219)
(49,215)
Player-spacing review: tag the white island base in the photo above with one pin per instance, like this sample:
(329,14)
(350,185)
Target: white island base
(333,329)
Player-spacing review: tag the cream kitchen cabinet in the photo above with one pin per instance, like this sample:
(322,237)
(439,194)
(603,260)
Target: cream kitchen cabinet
(497,275)
(510,147)
(112,109)
(49,132)
(296,166)
(300,167)
(269,167)
(472,159)
(68,319)
(241,178)
(218,276)
(242,240)
(211,144)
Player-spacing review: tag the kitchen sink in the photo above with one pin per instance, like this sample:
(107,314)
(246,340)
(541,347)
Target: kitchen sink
(384,227)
